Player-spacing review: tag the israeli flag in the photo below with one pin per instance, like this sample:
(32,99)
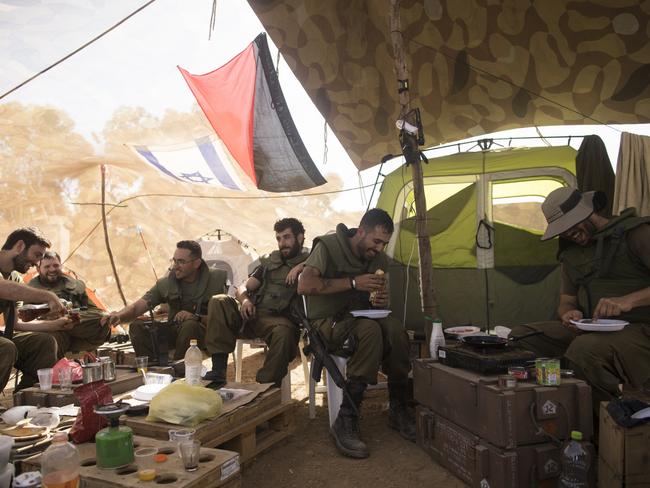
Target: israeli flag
(204,161)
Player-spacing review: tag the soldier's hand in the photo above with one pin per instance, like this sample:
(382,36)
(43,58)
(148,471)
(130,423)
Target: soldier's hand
(292,276)
(570,315)
(111,318)
(370,282)
(379,299)
(64,323)
(247,309)
(611,307)
(56,307)
(182,316)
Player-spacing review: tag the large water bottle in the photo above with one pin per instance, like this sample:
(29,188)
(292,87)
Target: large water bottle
(193,364)
(437,338)
(576,462)
(60,463)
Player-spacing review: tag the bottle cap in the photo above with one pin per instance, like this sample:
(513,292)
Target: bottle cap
(576,435)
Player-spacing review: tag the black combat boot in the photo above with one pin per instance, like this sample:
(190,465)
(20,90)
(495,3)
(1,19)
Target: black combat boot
(218,374)
(345,428)
(399,416)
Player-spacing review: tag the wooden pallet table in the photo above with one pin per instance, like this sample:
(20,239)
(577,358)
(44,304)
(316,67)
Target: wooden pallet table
(248,430)
(217,468)
(125,381)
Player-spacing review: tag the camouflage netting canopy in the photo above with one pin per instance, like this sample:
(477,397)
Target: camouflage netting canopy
(476,66)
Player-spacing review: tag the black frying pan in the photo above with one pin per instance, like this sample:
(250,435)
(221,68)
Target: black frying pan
(492,341)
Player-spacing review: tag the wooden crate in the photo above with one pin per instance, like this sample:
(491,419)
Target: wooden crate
(218,468)
(125,381)
(624,454)
(248,430)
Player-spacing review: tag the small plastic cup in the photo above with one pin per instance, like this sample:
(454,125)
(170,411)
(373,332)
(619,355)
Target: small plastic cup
(65,378)
(181,435)
(141,363)
(45,378)
(190,453)
(144,459)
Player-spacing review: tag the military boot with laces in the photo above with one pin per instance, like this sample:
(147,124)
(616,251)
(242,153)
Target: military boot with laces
(345,429)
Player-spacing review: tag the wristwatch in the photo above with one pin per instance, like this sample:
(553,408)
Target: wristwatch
(353,283)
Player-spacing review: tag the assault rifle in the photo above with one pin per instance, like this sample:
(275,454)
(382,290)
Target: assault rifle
(317,347)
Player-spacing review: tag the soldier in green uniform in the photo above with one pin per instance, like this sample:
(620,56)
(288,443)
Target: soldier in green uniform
(605,274)
(26,351)
(187,290)
(87,333)
(339,276)
(261,309)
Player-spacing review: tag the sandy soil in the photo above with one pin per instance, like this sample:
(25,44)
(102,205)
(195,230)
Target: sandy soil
(309,459)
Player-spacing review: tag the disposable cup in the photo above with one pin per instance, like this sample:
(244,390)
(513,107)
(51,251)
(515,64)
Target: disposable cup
(65,378)
(145,462)
(190,453)
(181,435)
(45,378)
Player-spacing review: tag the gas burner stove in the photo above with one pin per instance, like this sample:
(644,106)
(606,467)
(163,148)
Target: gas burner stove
(483,361)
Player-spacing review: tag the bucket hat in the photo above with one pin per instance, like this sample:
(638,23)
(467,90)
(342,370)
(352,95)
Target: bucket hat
(564,208)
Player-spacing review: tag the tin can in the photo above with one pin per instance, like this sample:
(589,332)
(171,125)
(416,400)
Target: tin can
(108,368)
(518,372)
(91,372)
(507,381)
(548,371)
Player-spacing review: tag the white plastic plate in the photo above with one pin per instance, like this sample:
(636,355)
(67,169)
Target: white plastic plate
(371,314)
(600,325)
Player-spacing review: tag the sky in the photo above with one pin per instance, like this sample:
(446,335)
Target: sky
(135,65)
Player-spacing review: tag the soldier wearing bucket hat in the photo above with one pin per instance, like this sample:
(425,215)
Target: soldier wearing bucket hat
(605,266)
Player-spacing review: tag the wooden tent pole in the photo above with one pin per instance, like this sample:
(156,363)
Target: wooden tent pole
(411,153)
(106,240)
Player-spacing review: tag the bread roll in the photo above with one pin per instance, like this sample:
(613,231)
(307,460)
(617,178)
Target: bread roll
(379,272)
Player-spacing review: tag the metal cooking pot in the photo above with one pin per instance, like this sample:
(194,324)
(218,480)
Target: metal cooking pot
(494,342)
(92,372)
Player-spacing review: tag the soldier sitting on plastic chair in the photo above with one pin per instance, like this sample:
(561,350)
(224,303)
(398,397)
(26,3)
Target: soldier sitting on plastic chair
(261,309)
(339,276)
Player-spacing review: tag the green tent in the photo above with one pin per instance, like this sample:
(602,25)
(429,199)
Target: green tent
(484,222)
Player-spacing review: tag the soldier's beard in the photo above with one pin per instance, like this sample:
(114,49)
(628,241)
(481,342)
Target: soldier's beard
(20,263)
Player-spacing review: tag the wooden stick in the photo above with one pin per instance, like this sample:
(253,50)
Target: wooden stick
(106,240)
(427,294)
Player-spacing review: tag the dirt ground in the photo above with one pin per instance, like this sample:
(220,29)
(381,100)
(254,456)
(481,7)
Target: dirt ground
(309,459)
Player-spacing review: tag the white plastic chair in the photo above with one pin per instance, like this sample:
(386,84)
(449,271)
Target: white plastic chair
(285,388)
(334,393)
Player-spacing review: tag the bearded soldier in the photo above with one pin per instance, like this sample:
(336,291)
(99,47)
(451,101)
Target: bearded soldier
(605,274)
(261,309)
(87,333)
(339,277)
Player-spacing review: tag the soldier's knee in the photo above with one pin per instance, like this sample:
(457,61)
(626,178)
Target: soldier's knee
(191,326)
(8,351)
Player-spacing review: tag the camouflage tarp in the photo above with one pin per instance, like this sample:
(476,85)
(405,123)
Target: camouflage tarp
(476,66)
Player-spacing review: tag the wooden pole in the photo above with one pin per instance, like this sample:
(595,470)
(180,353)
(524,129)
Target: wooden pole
(106,240)
(411,152)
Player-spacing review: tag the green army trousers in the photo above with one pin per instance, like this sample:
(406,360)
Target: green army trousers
(381,342)
(87,335)
(28,352)
(225,326)
(179,338)
(603,359)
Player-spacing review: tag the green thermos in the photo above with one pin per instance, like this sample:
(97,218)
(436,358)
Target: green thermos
(114,444)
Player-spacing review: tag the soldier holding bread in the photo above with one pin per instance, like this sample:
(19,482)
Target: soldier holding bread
(344,273)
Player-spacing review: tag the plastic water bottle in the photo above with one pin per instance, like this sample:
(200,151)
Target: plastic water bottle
(576,462)
(60,463)
(193,364)
(437,338)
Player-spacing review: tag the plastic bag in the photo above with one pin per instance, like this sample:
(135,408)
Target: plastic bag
(183,404)
(88,423)
(77,372)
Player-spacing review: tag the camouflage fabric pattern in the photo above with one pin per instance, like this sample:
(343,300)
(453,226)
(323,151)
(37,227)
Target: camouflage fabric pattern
(476,66)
